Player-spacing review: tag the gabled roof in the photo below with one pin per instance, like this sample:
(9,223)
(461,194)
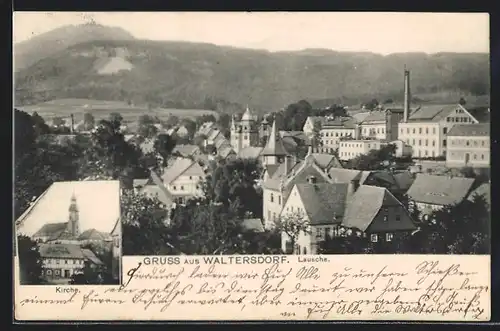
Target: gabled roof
(274,145)
(185,150)
(51,230)
(325,161)
(157,189)
(323,202)
(469,130)
(483,190)
(61,251)
(90,256)
(250,152)
(339,122)
(375,116)
(433,113)
(98,202)
(178,167)
(404,179)
(440,190)
(339,175)
(360,117)
(225,150)
(366,203)
(93,234)
(141,182)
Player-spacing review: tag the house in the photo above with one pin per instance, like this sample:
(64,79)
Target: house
(350,149)
(425,129)
(183,179)
(244,133)
(483,190)
(330,209)
(403,150)
(334,130)
(468,145)
(279,179)
(431,192)
(153,187)
(381,123)
(186,150)
(69,215)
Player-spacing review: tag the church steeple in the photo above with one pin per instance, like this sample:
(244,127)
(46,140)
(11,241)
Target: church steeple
(73,221)
(274,150)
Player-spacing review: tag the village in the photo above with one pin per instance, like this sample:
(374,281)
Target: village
(383,178)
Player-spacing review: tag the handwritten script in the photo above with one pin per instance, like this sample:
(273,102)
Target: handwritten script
(285,287)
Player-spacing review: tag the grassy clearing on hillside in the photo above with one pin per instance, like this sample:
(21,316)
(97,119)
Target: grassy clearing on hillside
(102,109)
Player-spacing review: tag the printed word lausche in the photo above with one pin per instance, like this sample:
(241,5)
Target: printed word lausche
(173,260)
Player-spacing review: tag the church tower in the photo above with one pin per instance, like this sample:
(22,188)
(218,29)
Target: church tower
(245,133)
(274,153)
(73,222)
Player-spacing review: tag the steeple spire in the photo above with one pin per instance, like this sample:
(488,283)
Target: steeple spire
(274,145)
(73,222)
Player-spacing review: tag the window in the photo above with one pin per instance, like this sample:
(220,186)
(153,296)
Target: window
(467,143)
(419,142)
(413,142)
(433,130)
(245,137)
(445,130)
(433,143)
(425,152)
(474,156)
(448,119)
(482,156)
(426,130)
(279,199)
(444,142)
(274,216)
(49,272)
(398,217)
(373,238)
(66,261)
(174,187)
(190,177)
(426,142)
(182,188)
(304,250)
(386,218)
(414,131)
(327,231)
(368,145)
(57,261)
(419,130)
(57,272)
(388,237)
(269,214)
(319,233)
(407,130)
(272,197)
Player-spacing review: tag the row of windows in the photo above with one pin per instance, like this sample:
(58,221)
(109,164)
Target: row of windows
(354,145)
(58,261)
(459,119)
(322,232)
(182,187)
(373,131)
(474,143)
(474,155)
(415,142)
(279,198)
(421,130)
(337,134)
(349,154)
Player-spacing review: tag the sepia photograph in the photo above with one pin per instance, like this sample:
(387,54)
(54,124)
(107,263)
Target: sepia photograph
(299,134)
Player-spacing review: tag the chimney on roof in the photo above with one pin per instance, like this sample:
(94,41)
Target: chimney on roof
(288,165)
(72,127)
(309,150)
(311,180)
(407,96)
(352,187)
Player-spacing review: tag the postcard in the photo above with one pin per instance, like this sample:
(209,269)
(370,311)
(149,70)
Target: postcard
(311,166)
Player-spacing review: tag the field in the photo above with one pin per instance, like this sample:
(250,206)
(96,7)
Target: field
(101,110)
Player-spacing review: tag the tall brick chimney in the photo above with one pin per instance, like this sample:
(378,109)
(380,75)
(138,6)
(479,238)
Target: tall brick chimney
(72,127)
(407,96)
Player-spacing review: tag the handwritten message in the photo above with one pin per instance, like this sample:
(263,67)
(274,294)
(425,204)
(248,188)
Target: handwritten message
(354,287)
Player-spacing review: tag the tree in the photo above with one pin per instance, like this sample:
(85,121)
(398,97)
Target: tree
(146,128)
(316,140)
(462,102)
(224,121)
(164,145)
(88,121)
(172,121)
(372,104)
(30,261)
(115,117)
(58,121)
(292,225)
(235,180)
(144,226)
(375,159)
(204,119)
(459,229)
(295,115)
(39,124)
(388,101)
(190,126)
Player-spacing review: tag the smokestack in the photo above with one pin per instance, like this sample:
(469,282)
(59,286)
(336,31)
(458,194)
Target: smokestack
(407,96)
(72,127)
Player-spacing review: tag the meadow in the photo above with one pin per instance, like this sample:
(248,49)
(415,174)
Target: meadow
(101,109)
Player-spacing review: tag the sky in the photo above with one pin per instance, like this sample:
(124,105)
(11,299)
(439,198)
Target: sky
(382,33)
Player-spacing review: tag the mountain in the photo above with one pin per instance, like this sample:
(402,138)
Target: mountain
(36,48)
(192,75)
